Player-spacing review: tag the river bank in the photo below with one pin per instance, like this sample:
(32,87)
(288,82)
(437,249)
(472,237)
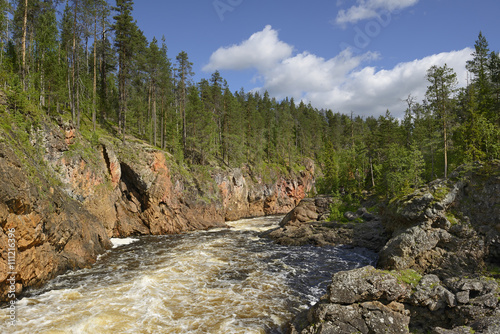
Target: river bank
(438,259)
(63,196)
(226,280)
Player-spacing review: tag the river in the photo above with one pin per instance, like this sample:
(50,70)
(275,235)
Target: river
(217,281)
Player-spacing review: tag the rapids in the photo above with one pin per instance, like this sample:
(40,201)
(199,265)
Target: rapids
(217,281)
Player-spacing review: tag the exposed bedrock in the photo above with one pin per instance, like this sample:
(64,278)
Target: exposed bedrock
(65,197)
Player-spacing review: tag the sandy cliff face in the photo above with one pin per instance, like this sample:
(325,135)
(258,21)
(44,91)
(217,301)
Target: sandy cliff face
(67,202)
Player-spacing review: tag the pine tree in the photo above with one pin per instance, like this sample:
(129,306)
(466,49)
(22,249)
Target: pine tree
(4,25)
(46,43)
(478,66)
(126,34)
(154,60)
(217,108)
(443,82)
(184,72)
(23,42)
(166,89)
(107,57)
(494,68)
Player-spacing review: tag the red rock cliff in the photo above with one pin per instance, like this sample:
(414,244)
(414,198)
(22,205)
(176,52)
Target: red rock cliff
(66,202)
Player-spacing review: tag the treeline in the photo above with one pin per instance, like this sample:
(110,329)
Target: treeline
(448,128)
(94,63)
(90,62)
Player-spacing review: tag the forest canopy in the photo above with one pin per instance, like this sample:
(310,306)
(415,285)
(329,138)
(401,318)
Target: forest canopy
(90,62)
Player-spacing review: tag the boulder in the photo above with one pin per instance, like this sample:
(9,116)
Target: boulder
(308,223)
(363,300)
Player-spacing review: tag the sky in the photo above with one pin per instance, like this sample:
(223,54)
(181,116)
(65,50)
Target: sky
(360,56)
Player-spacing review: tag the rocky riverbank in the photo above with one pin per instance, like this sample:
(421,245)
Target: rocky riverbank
(438,259)
(64,196)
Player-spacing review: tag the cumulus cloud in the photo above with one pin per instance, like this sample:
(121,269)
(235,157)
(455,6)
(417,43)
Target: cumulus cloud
(343,83)
(261,50)
(367,9)
(368,91)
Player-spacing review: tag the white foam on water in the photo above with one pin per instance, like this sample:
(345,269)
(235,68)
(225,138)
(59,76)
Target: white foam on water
(255,224)
(226,282)
(122,241)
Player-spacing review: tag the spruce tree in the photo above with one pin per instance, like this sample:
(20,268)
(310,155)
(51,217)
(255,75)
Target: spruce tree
(126,34)
(479,67)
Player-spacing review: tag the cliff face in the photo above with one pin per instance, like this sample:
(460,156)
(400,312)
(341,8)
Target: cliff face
(441,244)
(67,197)
(49,232)
(449,228)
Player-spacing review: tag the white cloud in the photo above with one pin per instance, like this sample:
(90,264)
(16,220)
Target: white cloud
(343,83)
(367,9)
(261,50)
(367,91)
(305,72)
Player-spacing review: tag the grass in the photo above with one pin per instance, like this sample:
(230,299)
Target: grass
(408,276)
(342,204)
(451,218)
(441,192)
(19,123)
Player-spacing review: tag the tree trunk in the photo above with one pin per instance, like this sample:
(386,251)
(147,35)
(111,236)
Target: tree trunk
(184,131)
(154,116)
(445,150)
(23,44)
(103,72)
(149,118)
(371,171)
(73,67)
(78,111)
(94,100)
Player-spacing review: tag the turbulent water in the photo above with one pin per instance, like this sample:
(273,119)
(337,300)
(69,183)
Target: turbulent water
(218,281)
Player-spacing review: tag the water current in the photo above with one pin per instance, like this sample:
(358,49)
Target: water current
(217,281)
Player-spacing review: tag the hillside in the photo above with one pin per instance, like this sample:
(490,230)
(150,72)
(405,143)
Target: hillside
(65,192)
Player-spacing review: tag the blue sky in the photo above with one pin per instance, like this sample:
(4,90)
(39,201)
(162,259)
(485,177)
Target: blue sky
(364,56)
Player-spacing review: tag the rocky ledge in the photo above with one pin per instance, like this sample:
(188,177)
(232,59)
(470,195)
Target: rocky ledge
(62,196)
(308,223)
(438,259)
(368,300)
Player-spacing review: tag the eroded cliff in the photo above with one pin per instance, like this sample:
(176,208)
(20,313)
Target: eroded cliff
(65,196)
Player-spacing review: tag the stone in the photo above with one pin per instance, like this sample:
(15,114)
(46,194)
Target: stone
(365,284)
(462,297)
(351,215)
(360,301)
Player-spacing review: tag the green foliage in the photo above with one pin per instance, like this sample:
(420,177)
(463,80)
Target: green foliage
(409,276)
(340,205)
(138,91)
(451,218)
(401,170)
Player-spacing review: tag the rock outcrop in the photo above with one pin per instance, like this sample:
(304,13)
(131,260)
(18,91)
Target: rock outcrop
(51,232)
(441,248)
(65,196)
(368,300)
(245,194)
(449,228)
(308,223)
(359,301)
